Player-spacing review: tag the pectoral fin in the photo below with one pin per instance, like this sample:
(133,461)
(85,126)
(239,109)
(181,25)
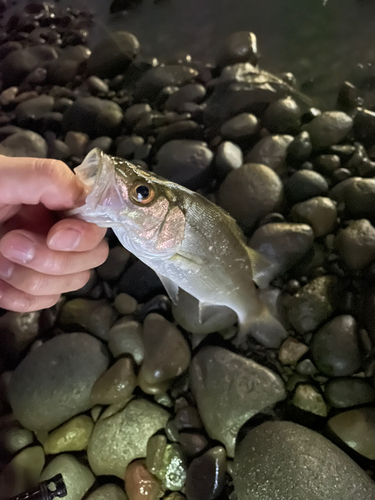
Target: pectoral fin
(262,268)
(170,287)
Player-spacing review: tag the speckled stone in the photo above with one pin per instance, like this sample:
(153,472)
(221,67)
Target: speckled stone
(74,435)
(53,383)
(291,351)
(121,438)
(356,428)
(230,389)
(309,399)
(108,492)
(283,460)
(77,477)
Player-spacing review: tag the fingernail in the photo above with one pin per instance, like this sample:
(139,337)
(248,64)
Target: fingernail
(66,239)
(6,269)
(22,249)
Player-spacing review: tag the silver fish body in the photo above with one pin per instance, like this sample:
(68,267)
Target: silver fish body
(188,241)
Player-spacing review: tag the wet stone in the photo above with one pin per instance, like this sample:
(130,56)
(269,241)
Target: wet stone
(291,351)
(206,475)
(356,244)
(108,492)
(319,212)
(24,143)
(96,316)
(300,149)
(312,305)
(349,391)
(125,337)
(283,460)
(113,54)
(309,399)
(156,447)
(171,469)
(358,195)
(192,444)
(240,127)
(228,157)
(114,385)
(305,184)
(327,164)
(237,385)
(167,354)
(153,81)
(187,418)
(140,483)
(121,438)
(270,151)
(249,193)
(356,428)
(53,383)
(185,162)
(192,92)
(282,116)
(335,348)
(22,473)
(93,116)
(74,435)
(282,244)
(77,477)
(328,128)
(115,264)
(238,47)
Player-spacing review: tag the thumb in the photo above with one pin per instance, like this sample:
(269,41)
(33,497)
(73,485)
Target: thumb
(30,181)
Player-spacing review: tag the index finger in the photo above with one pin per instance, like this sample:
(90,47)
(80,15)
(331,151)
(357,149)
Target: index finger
(31,181)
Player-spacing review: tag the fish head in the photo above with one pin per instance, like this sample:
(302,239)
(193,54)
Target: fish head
(143,209)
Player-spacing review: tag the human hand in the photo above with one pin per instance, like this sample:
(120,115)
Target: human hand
(42,255)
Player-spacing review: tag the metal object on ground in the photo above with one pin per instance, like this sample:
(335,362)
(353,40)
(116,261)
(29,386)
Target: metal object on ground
(47,490)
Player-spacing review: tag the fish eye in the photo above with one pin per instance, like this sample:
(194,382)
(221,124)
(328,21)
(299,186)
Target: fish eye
(142,193)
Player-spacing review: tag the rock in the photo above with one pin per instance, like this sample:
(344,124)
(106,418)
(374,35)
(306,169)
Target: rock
(283,116)
(319,212)
(8,95)
(93,116)
(135,113)
(171,469)
(96,316)
(187,418)
(59,150)
(16,439)
(153,81)
(131,147)
(356,428)
(64,69)
(18,330)
(140,483)
(305,184)
(229,390)
(108,492)
(283,460)
(270,151)
(313,304)
(125,337)
(206,475)
(22,473)
(140,281)
(53,383)
(291,351)
(228,157)
(121,438)
(96,85)
(249,193)
(358,195)
(327,164)
(328,128)
(78,478)
(34,109)
(335,348)
(125,304)
(349,391)
(300,149)
(77,143)
(104,143)
(238,47)
(186,313)
(114,385)
(306,367)
(356,244)
(185,162)
(167,354)
(282,244)
(240,127)
(192,444)
(24,143)
(115,264)
(364,127)
(192,92)
(113,54)
(74,435)
(307,398)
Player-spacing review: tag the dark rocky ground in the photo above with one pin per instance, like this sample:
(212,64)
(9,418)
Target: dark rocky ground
(115,383)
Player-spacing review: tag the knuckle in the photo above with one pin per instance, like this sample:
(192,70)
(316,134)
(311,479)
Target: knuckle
(57,263)
(36,285)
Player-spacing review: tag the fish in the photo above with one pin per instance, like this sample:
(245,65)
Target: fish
(191,243)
